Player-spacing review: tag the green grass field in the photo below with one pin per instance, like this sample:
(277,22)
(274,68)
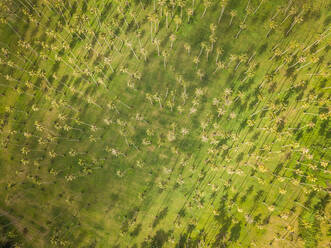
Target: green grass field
(165,123)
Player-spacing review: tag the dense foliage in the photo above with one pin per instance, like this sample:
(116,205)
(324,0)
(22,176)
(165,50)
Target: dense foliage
(165,123)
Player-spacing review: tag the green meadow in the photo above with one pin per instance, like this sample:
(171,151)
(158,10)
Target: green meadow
(165,123)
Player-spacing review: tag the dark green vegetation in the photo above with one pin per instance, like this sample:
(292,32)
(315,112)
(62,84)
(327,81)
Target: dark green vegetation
(165,123)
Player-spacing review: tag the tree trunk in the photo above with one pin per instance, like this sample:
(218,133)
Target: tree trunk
(238,34)
(292,26)
(237,66)
(258,7)
(268,32)
(204,12)
(134,53)
(220,17)
(285,19)
(231,20)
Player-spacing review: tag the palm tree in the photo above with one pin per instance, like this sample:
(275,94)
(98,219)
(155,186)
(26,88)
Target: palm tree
(25,150)
(177,21)
(107,61)
(300,61)
(313,60)
(196,60)
(133,15)
(189,13)
(202,45)
(249,11)
(223,4)
(166,13)
(157,98)
(277,52)
(232,58)
(52,154)
(144,53)
(138,35)
(172,39)
(219,52)
(212,28)
(258,7)
(242,26)
(129,44)
(149,97)
(200,74)
(156,42)
(152,19)
(250,59)
(278,10)
(297,19)
(187,48)
(272,25)
(320,38)
(162,3)
(208,49)
(212,40)
(220,112)
(292,11)
(219,65)
(165,55)
(181,4)
(233,13)
(242,59)
(172,4)
(207,4)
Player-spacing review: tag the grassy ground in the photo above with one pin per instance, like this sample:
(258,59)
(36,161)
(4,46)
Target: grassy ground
(125,126)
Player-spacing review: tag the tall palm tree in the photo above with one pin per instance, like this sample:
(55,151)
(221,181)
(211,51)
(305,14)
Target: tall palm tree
(189,13)
(272,25)
(181,4)
(292,11)
(313,60)
(233,13)
(202,45)
(144,53)
(107,61)
(208,50)
(297,19)
(129,45)
(242,58)
(300,60)
(200,74)
(165,55)
(177,21)
(187,48)
(242,27)
(172,39)
(162,3)
(219,52)
(212,40)
(249,11)
(261,1)
(152,19)
(206,4)
(196,60)
(223,4)
(156,42)
(219,65)
(166,13)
